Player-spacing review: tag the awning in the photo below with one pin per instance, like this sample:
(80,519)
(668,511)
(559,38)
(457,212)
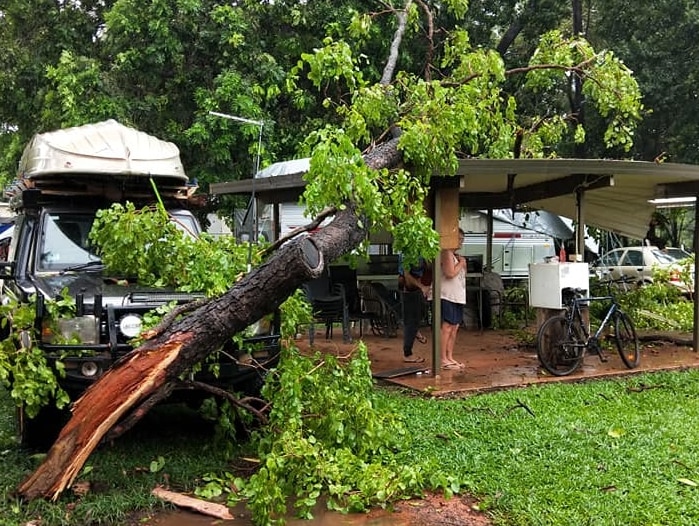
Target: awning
(615,194)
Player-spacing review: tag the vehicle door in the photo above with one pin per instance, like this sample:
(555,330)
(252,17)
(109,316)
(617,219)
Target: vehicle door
(608,265)
(632,265)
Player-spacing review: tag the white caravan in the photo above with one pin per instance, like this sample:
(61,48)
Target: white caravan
(515,244)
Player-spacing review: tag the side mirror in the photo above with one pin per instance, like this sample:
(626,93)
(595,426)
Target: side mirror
(7,269)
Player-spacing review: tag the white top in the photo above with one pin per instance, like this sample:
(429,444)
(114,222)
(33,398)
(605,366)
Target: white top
(454,289)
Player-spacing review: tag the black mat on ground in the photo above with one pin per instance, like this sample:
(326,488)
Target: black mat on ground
(403,371)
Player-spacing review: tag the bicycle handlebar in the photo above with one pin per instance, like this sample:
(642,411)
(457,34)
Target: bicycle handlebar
(578,292)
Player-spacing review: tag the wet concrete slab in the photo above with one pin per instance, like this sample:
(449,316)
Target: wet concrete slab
(495,359)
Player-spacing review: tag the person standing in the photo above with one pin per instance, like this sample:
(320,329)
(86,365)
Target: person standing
(413,292)
(453,299)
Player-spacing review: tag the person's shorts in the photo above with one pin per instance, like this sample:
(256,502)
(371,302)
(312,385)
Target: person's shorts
(452,313)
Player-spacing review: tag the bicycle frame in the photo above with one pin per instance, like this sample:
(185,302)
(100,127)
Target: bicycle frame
(563,340)
(575,313)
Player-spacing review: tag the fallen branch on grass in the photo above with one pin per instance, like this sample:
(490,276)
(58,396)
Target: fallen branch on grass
(218,511)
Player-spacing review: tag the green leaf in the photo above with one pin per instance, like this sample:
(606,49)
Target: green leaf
(616,433)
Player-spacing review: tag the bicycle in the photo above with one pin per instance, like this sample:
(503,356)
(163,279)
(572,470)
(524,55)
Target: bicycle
(563,341)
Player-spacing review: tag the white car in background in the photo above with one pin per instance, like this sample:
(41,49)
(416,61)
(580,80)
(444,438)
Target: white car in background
(637,264)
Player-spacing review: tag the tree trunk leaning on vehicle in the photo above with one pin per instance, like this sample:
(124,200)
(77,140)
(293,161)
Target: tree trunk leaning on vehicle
(149,373)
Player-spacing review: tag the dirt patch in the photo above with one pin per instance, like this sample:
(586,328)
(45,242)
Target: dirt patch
(434,509)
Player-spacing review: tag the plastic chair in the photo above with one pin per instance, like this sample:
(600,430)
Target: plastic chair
(383,309)
(329,305)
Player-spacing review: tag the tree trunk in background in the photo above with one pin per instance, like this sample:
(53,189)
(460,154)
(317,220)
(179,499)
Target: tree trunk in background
(577,99)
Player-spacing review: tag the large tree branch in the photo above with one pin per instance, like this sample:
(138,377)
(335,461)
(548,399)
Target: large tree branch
(151,371)
(328,212)
(515,28)
(578,69)
(389,69)
(430,39)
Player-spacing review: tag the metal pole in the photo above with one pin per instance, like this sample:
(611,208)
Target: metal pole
(695,331)
(253,197)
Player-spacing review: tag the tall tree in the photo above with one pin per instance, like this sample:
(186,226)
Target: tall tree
(373,159)
(657,40)
(33,36)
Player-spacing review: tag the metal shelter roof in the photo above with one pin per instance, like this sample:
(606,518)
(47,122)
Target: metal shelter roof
(615,194)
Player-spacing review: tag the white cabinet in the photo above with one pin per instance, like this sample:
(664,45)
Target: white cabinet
(547,281)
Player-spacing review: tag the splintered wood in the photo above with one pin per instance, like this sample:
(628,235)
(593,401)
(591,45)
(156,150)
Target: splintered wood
(211,509)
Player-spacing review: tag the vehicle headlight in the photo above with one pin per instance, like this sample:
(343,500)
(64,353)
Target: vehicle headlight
(84,328)
(89,369)
(130,325)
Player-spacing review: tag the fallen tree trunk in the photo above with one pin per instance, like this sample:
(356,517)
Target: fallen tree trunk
(149,373)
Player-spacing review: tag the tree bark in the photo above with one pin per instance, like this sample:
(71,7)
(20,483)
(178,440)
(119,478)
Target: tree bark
(149,373)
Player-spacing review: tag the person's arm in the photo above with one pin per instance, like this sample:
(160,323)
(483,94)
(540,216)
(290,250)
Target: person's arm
(451,265)
(412,283)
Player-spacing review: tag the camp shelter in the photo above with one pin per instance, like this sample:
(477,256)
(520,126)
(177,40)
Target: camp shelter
(613,195)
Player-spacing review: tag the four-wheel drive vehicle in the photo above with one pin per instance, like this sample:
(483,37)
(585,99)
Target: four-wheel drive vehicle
(637,263)
(65,177)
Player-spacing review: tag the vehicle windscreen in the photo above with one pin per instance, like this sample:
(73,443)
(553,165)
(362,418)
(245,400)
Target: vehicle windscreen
(663,258)
(64,240)
(186,222)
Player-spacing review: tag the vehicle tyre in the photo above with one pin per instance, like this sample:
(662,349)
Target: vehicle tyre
(39,433)
(626,340)
(560,345)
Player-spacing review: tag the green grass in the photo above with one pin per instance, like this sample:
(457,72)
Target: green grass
(120,475)
(599,453)
(618,452)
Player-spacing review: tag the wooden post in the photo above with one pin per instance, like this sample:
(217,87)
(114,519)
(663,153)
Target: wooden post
(447,217)
(446,222)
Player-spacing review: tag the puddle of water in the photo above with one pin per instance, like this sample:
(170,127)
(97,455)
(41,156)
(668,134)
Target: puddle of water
(321,517)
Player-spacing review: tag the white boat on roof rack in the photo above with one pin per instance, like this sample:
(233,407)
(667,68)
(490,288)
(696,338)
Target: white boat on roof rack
(83,159)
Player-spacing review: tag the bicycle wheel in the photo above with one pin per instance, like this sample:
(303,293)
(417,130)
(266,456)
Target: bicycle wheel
(626,340)
(560,345)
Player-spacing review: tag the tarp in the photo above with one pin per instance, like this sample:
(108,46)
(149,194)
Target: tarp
(545,223)
(539,221)
(293,167)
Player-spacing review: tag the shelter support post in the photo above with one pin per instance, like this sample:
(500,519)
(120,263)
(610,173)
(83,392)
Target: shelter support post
(489,243)
(446,219)
(695,297)
(277,222)
(580,226)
